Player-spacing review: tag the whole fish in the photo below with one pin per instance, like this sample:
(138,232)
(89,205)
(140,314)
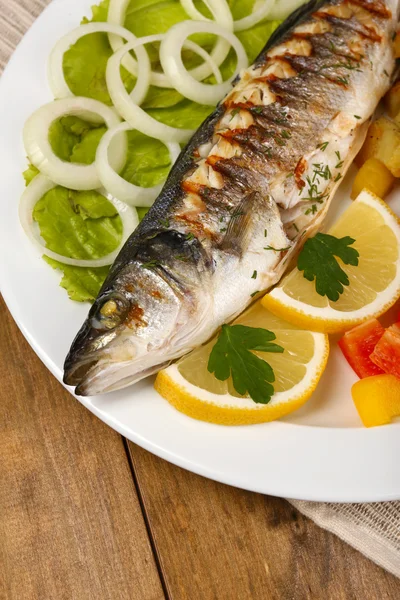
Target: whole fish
(252,184)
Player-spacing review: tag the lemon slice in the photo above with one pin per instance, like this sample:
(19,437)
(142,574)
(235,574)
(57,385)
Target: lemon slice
(374,283)
(189,386)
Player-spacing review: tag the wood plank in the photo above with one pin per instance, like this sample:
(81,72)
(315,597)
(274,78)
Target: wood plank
(72,526)
(216,542)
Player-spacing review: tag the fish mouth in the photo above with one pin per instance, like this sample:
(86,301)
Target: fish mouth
(96,365)
(101,376)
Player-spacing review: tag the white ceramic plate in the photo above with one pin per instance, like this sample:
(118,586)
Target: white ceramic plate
(320,453)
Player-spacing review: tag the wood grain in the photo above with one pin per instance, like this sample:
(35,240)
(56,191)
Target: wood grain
(72,526)
(215,542)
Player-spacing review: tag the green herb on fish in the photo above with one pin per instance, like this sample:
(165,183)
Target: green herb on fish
(151,264)
(277,249)
(312,210)
(323,146)
(254,276)
(232,356)
(235,112)
(318,261)
(343,80)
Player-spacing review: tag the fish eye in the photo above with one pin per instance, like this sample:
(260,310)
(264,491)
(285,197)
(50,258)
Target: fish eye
(110,312)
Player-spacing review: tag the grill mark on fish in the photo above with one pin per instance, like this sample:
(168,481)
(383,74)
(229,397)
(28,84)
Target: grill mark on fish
(228,187)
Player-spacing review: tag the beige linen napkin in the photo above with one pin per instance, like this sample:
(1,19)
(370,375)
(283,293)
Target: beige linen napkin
(373,529)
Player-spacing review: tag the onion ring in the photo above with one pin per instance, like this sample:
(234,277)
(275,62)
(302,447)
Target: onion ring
(118,187)
(40,153)
(57,82)
(172,64)
(132,113)
(37,188)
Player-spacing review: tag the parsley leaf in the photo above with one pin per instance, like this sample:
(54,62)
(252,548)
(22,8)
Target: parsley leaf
(317,260)
(231,356)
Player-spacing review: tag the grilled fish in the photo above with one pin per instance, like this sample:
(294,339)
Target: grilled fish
(253,183)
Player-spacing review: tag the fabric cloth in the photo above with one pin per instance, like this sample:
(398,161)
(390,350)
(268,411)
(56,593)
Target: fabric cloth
(373,529)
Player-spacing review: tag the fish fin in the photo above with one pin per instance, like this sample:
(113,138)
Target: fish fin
(238,231)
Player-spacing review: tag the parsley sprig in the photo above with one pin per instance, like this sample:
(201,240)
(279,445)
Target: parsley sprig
(318,261)
(232,356)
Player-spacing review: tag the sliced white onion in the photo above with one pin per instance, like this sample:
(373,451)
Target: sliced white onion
(172,64)
(37,146)
(223,16)
(281,10)
(261,10)
(116,16)
(133,195)
(222,13)
(38,187)
(57,82)
(130,111)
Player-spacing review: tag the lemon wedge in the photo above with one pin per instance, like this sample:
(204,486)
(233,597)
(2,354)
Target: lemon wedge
(374,283)
(190,387)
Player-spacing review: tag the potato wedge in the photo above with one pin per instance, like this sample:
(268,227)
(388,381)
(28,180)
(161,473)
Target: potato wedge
(382,142)
(374,176)
(371,145)
(392,100)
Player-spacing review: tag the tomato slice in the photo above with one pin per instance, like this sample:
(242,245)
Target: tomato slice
(358,344)
(386,354)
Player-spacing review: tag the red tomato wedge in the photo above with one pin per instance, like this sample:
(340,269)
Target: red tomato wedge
(358,344)
(386,354)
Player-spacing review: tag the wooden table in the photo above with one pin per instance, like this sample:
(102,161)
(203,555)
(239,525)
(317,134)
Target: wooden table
(88,515)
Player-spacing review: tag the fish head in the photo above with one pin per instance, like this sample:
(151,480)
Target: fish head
(147,313)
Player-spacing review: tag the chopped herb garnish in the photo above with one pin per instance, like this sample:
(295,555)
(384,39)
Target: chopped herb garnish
(323,146)
(343,80)
(190,236)
(338,177)
(223,229)
(182,257)
(318,261)
(268,152)
(277,249)
(295,226)
(265,233)
(237,213)
(254,276)
(164,223)
(254,293)
(257,109)
(290,175)
(279,141)
(311,210)
(340,163)
(357,117)
(151,264)
(321,171)
(386,73)
(234,113)
(232,357)
(286,134)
